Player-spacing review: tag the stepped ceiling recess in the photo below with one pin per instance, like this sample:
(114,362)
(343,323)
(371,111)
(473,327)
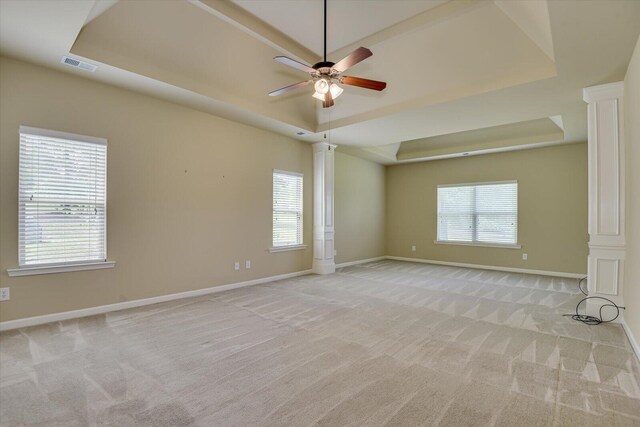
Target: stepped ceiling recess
(464,77)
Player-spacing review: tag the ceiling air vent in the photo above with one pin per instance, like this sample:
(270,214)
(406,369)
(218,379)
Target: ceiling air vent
(79,64)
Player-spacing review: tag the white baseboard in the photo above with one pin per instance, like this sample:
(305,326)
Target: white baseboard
(491,267)
(360,261)
(632,339)
(91,311)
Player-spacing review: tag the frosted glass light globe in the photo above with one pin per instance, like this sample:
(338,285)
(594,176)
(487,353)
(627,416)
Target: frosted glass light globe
(322,86)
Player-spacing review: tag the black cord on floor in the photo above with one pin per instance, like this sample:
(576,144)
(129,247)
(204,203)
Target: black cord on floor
(580,286)
(593,320)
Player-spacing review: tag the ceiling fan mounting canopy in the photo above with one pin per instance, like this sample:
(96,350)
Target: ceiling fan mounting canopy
(324,73)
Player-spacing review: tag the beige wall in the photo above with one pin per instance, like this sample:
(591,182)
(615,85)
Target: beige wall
(188,193)
(552,187)
(632,140)
(359,208)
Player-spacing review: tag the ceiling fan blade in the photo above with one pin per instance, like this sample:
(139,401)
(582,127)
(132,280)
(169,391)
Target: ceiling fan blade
(365,83)
(328,100)
(358,55)
(289,88)
(295,64)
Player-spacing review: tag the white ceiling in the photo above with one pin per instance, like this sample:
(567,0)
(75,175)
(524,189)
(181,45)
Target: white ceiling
(452,66)
(347,21)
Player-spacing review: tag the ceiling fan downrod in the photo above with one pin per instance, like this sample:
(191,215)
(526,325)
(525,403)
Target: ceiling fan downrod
(325,30)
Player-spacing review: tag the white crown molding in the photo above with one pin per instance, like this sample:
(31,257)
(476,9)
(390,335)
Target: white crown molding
(480,152)
(92,311)
(606,91)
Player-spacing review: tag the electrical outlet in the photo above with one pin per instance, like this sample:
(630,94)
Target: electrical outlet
(524,257)
(247,264)
(335,252)
(413,248)
(237,266)
(4,294)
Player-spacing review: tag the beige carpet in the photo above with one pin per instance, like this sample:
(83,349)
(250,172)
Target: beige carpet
(385,343)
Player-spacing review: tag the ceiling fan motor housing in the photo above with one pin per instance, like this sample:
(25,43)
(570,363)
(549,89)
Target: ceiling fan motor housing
(324,70)
(323,64)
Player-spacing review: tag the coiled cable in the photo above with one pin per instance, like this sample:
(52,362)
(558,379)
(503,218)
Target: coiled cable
(593,320)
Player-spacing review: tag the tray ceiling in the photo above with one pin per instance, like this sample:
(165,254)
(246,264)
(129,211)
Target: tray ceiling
(302,20)
(452,66)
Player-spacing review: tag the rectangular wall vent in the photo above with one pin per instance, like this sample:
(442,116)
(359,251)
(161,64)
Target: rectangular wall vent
(79,64)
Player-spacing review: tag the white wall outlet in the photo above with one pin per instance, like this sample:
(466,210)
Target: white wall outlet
(4,294)
(335,252)
(247,264)
(524,257)
(413,248)
(237,266)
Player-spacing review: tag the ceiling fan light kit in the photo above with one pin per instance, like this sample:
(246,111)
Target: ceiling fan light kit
(326,75)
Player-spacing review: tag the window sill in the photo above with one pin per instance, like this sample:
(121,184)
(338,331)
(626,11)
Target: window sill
(50,269)
(287,248)
(482,245)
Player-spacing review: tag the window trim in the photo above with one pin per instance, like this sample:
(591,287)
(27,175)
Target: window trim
(466,184)
(480,244)
(284,172)
(515,245)
(46,268)
(59,268)
(296,246)
(61,135)
(286,248)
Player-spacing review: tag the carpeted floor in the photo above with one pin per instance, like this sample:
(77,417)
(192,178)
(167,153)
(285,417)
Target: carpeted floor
(385,343)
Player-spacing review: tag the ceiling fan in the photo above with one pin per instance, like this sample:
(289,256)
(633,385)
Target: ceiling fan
(326,75)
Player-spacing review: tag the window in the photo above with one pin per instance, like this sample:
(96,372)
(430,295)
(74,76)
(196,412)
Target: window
(483,213)
(62,198)
(287,209)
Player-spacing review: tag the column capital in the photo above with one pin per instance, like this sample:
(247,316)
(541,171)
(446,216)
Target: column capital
(324,146)
(600,92)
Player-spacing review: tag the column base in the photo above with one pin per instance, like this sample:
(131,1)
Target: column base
(323,266)
(605,271)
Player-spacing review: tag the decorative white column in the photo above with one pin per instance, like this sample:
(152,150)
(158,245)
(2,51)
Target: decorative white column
(606,194)
(323,229)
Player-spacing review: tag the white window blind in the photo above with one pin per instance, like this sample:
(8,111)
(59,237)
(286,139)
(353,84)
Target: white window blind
(62,198)
(287,209)
(478,213)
